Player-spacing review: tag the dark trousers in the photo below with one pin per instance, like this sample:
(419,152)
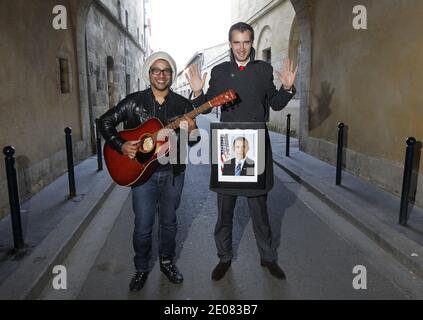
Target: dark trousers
(159,195)
(223,231)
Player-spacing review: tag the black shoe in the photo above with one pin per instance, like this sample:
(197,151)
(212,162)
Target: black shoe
(170,270)
(220,270)
(138,281)
(274,269)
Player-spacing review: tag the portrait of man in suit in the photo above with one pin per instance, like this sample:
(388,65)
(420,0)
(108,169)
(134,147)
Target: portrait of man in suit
(240,165)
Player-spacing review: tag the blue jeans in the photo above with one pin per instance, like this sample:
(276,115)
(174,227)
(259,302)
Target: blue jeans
(160,194)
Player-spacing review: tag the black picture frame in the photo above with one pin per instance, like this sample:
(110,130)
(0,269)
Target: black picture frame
(254,133)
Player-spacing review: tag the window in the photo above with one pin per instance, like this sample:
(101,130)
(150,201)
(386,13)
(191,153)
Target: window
(119,12)
(127,20)
(110,81)
(98,82)
(267,55)
(97,76)
(128,84)
(139,85)
(64,75)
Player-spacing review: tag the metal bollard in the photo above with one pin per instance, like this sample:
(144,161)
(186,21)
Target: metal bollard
(99,151)
(339,153)
(69,153)
(12,185)
(406,182)
(288,133)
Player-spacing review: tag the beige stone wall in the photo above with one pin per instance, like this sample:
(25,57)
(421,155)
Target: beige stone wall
(33,111)
(375,75)
(370,80)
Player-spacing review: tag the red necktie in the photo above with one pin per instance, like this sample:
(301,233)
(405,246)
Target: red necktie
(241,68)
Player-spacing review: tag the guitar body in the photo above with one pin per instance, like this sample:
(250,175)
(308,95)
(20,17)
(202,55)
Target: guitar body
(125,171)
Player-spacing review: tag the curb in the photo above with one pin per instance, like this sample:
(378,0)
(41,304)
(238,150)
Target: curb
(401,248)
(32,275)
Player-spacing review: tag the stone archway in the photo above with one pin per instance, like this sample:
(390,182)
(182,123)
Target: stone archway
(294,51)
(302,9)
(264,44)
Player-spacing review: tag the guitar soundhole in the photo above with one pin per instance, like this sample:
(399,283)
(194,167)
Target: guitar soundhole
(147,144)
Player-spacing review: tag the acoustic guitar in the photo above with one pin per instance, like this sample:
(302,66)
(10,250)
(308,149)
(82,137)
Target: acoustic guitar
(125,171)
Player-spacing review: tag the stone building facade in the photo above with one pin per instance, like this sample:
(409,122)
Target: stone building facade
(205,59)
(116,50)
(54,78)
(367,78)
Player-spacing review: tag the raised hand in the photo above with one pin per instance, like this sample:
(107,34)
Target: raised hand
(194,79)
(287,74)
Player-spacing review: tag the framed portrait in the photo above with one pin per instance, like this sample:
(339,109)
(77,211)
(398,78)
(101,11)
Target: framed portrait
(238,155)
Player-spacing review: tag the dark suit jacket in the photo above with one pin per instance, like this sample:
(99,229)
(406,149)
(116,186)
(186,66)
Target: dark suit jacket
(246,170)
(257,93)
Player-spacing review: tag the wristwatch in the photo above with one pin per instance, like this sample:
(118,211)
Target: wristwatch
(291,90)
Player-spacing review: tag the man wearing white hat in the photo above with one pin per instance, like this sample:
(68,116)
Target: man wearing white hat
(162,192)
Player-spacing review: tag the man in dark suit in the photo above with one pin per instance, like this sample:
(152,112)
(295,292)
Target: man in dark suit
(253,82)
(240,165)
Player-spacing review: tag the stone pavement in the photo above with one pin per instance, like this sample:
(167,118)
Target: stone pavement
(372,210)
(53,224)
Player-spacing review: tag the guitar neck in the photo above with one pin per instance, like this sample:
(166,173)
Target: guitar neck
(194,113)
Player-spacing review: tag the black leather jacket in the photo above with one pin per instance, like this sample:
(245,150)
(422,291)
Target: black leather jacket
(135,109)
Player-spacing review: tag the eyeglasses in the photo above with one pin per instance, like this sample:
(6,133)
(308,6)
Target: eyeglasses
(157,71)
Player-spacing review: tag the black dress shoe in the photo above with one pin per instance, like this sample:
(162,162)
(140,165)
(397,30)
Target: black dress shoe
(220,270)
(274,269)
(138,281)
(170,270)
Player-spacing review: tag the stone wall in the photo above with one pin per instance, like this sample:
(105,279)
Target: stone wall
(107,39)
(370,80)
(33,110)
